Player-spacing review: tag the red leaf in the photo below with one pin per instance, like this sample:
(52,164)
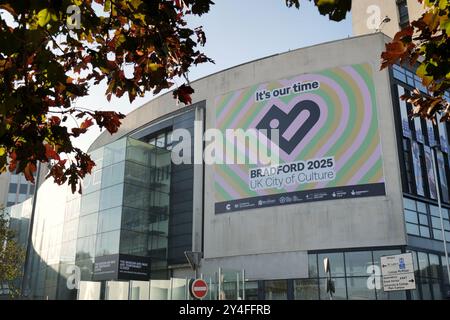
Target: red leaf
(51,153)
(86,124)
(29,170)
(183,94)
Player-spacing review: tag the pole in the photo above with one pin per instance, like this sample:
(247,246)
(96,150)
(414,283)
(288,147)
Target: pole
(438,191)
(27,268)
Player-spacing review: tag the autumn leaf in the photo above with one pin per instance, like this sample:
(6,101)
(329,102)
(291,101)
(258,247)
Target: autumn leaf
(183,94)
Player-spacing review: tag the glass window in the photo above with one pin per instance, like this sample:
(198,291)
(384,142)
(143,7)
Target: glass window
(424,232)
(136,243)
(161,140)
(92,182)
(446,213)
(109,220)
(444,269)
(417,154)
(113,174)
(423,264)
(436,289)
(136,220)
(434,211)
(399,75)
(86,267)
(356,263)
(12,188)
(336,264)
(423,219)
(137,174)
(111,197)
(312,265)
(68,251)
(169,138)
(418,127)
(276,290)
(412,229)
(137,197)
(404,112)
(32,189)
(436,222)
(87,225)
(14,178)
(306,289)
(358,290)
(426,290)
(85,248)
(421,207)
(251,290)
(140,152)
(409,204)
(70,230)
(22,197)
(434,265)
(442,176)
(437,234)
(23,189)
(114,152)
(89,203)
(340,289)
(411,216)
(403,13)
(107,243)
(12,197)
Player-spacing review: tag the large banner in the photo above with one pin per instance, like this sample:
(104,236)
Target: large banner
(328,142)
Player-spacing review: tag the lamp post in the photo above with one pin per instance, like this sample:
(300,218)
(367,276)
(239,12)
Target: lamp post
(438,191)
(384,21)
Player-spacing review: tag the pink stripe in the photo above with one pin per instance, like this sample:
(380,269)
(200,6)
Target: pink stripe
(250,103)
(357,142)
(367,117)
(366,167)
(296,124)
(226,187)
(230,105)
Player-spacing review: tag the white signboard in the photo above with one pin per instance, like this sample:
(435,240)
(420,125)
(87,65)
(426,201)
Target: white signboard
(398,272)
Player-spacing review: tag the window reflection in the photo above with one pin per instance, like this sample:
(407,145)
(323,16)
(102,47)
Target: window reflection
(306,289)
(357,262)
(276,290)
(336,264)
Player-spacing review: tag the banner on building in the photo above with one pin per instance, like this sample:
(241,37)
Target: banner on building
(328,142)
(417,168)
(430,172)
(442,177)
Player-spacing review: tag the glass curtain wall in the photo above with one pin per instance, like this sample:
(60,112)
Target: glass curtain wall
(125,206)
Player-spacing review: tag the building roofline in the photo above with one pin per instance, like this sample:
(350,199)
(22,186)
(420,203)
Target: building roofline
(376,34)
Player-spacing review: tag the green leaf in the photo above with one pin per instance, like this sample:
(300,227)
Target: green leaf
(44,17)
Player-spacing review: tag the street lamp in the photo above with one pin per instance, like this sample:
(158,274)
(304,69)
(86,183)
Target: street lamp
(438,191)
(385,20)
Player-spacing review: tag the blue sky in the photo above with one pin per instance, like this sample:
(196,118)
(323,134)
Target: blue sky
(239,31)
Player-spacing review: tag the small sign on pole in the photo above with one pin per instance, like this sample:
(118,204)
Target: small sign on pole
(398,272)
(199,289)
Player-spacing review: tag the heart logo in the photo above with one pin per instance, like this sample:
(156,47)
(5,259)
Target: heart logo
(292,126)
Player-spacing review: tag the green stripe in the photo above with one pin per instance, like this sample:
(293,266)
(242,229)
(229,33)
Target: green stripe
(372,172)
(371,134)
(237,108)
